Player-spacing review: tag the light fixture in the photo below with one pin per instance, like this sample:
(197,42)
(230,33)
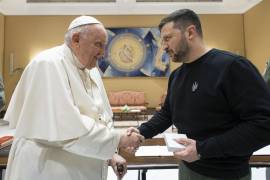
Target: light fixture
(13,70)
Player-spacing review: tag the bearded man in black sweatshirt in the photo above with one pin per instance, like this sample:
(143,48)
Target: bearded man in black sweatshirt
(218,99)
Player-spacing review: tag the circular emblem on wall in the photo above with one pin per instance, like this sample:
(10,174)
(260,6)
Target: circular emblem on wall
(127,52)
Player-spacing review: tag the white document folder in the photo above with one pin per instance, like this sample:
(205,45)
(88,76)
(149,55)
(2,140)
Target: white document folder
(172,145)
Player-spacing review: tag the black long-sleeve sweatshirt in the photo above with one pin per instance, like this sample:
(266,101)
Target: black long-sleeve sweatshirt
(221,101)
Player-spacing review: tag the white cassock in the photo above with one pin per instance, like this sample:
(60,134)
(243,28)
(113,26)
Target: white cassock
(63,121)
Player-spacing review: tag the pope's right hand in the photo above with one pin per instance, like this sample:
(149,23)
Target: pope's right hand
(132,140)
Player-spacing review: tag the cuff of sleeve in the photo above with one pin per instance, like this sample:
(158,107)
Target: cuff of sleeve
(143,132)
(116,140)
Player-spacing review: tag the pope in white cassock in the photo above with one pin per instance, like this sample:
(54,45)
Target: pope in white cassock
(61,113)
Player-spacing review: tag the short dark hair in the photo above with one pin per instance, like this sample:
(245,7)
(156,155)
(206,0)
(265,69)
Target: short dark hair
(182,19)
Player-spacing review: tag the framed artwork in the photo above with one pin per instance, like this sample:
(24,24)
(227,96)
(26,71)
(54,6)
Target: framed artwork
(134,52)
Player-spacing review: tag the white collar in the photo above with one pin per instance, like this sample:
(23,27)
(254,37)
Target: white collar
(69,53)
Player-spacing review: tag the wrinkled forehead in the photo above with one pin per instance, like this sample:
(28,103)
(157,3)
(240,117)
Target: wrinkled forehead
(97,31)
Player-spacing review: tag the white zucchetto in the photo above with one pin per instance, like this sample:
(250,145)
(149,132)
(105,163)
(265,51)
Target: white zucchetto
(83,20)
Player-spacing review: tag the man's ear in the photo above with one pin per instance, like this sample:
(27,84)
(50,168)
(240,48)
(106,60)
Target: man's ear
(191,32)
(75,39)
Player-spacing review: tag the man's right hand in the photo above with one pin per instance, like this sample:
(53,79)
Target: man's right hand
(131,140)
(131,130)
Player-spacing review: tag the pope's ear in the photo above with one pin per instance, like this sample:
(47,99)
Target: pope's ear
(75,38)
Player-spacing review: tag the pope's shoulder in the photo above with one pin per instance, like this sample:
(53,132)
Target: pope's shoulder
(49,57)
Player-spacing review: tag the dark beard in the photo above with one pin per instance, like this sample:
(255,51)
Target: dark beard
(183,51)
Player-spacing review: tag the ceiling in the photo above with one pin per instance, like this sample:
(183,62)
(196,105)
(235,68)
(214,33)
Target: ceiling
(122,7)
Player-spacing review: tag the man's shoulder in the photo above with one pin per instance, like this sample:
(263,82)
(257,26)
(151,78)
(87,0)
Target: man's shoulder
(222,59)
(229,62)
(224,56)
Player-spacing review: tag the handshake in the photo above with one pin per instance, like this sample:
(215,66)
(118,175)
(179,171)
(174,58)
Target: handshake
(131,140)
